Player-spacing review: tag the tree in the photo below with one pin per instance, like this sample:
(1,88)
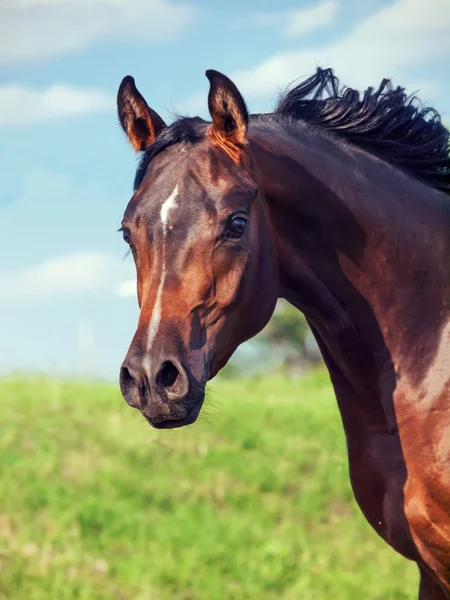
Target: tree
(289,334)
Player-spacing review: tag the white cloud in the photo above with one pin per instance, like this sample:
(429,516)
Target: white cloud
(36,29)
(403,35)
(67,274)
(21,105)
(193,105)
(426,89)
(306,20)
(126,289)
(293,23)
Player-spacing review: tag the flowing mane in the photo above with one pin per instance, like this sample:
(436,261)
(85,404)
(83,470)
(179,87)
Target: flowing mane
(385,122)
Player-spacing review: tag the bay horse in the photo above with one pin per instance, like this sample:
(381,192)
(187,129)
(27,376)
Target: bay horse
(339,203)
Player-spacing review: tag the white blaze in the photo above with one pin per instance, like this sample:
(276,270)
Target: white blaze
(168,205)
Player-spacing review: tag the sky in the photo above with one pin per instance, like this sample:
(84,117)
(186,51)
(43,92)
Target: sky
(67,295)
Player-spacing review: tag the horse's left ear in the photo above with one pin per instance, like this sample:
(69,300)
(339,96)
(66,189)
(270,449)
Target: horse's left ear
(140,122)
(229,114)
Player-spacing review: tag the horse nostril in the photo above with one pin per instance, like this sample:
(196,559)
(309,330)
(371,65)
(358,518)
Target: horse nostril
(168,375)
(128,386)
(126,379)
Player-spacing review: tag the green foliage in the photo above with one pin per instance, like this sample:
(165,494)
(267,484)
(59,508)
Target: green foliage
(287,325)
(289,334)
(252,502)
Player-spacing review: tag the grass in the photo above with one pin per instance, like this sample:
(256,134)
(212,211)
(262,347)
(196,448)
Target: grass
(251,502)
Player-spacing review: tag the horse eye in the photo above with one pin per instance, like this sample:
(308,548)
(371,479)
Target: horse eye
(126,236)
(237,227)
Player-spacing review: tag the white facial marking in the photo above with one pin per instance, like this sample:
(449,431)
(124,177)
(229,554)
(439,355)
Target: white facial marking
(168,205)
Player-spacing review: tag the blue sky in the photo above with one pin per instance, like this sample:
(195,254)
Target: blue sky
(67,170)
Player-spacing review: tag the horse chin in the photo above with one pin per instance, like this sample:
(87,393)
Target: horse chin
(189,419)
(182,416)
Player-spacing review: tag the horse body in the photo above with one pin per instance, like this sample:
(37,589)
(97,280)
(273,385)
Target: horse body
(355,243)
(390,289)
(387,242)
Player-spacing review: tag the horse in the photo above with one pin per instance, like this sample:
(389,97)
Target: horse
(337,201)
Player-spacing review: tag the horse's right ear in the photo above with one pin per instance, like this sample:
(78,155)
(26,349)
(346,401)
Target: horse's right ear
(139,121)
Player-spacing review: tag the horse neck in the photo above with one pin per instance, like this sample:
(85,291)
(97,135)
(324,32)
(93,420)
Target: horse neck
(363,261)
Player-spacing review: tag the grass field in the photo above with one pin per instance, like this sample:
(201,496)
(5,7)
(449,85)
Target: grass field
(251,502)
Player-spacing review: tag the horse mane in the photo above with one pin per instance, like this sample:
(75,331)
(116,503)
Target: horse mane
(386,122)
(183,129)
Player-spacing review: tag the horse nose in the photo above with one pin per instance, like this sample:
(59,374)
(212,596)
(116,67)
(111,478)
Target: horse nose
(171,378)
(139,376)
(130,381)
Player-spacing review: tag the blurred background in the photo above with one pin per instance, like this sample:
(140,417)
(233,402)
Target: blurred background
(253,501)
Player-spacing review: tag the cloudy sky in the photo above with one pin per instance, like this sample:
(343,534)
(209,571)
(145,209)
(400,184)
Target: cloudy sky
(67,169)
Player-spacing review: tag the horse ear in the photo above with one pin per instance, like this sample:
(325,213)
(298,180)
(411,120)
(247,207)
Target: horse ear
(229,114)
(139,121)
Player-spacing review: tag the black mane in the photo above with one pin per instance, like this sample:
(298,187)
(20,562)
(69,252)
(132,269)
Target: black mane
(386,122)
(185,129)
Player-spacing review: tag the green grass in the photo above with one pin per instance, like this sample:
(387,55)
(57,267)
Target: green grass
(251,502)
